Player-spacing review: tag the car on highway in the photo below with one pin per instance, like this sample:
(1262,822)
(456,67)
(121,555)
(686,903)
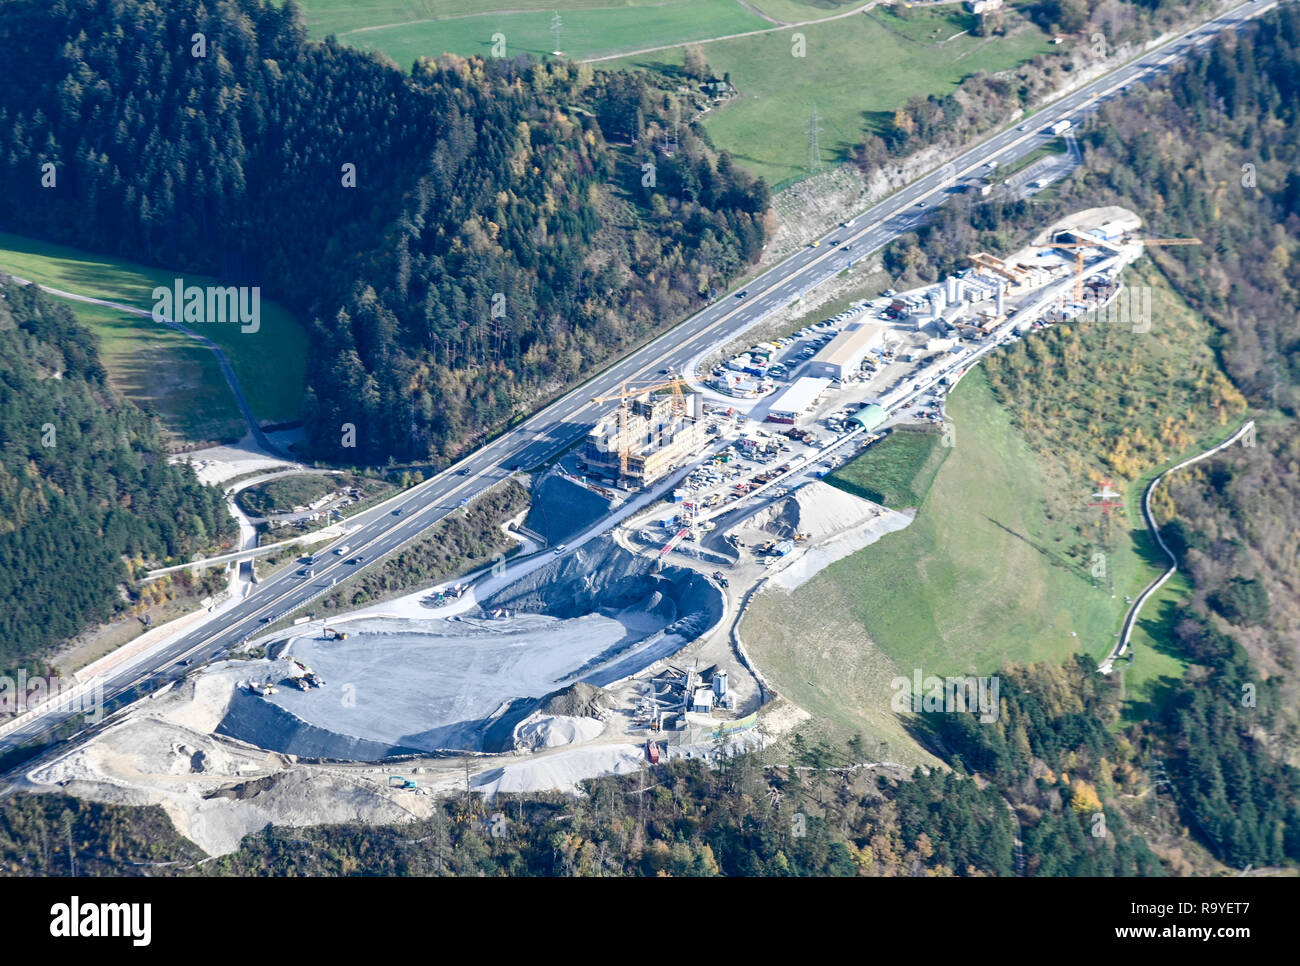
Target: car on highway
(815,244)
(357,560)
(920,204)
(742,293)
(267,619)
(306,572)
(462,472)
(560,549)
(397,512)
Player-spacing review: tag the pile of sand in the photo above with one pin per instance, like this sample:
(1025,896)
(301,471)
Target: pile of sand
(553,731)
(818,509)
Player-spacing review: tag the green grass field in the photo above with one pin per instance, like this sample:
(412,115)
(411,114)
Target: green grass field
(896,472)
(968,587)
(163,373)
(1002,561)
(405,31)
(270,364)
(856,71)
(797,11)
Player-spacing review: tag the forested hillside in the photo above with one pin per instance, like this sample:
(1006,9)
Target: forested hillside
(85,488)
(1210,151)
(512,224)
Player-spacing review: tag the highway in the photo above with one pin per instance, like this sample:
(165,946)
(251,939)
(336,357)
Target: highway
(385,529)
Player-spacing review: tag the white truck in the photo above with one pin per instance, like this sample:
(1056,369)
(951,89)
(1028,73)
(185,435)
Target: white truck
(342,550)
(1060,127)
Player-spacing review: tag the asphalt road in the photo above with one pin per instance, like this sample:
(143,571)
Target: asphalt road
(378,531)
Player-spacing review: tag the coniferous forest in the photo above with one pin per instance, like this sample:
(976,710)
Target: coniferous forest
(511,223)
(86,491)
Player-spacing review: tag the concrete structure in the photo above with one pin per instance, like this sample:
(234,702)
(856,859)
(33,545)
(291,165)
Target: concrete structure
(658,440)
(844,353)
(983,6)
(795,401)
(702,701)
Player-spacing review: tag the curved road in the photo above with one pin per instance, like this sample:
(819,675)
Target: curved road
(386,528)
(1130,621)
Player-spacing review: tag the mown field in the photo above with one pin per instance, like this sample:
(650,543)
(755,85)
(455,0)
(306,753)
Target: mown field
(856,70)
(164,373)
(589,28)
(1006,559)
(159,366)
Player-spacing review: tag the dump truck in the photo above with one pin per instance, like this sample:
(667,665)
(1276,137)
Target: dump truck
(652,752)
(397,781)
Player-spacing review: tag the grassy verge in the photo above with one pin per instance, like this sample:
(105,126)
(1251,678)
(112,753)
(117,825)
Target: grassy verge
(270,363)
(1055,146)
(283,494)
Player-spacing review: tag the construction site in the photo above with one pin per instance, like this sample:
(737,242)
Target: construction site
(622,648)
(655,429)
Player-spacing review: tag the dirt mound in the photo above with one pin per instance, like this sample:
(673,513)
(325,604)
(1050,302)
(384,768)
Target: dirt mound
(577,701)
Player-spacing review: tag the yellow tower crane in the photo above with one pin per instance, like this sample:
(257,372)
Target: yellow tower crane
(630,391)
(1079,246)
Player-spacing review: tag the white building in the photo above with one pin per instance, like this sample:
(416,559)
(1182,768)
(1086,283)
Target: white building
(796,400)
(844,353)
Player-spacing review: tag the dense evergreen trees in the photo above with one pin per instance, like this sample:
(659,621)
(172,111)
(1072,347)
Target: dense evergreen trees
(512,224)
(85,486)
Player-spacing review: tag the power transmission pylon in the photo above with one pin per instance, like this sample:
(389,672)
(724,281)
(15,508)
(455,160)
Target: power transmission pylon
(814,146)
(556,24)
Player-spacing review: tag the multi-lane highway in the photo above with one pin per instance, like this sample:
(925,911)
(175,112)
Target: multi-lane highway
(382,530)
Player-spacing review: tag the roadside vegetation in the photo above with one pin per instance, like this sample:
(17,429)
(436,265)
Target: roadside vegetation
(282,495)
(465,541)
(855,70)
